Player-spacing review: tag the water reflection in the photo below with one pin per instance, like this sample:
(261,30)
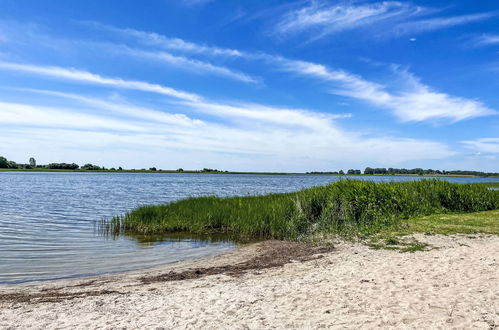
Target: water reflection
(149,240)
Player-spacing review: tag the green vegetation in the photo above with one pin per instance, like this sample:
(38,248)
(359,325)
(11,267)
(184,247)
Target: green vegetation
(398,238)
(8,165)
(347,207)
(397,243)
(420,171)
(468,223)
(413,171)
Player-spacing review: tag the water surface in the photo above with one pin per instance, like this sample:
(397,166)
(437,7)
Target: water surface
(47,219)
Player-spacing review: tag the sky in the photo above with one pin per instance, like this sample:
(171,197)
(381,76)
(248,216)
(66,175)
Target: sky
(251,85)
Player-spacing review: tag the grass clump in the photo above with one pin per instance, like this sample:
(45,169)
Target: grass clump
(345,207)
(401,244)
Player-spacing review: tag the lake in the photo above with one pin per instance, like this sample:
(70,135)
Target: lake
(48,219)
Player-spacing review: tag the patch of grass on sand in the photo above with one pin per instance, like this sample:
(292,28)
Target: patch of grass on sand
(396,238)
(402,244)
(463,223)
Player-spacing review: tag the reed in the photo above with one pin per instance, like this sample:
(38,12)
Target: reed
(345,207)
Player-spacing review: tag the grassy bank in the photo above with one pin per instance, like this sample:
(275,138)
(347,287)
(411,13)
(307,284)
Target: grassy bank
(346,207)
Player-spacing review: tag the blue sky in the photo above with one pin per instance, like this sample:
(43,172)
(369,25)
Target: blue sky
(251,85)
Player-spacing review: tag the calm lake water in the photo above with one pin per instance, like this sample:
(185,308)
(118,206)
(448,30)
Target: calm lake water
(48,220)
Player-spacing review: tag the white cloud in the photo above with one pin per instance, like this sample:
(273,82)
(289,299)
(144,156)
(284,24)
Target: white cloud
(119,106)
(390,18)
(325,20)
(87,77)
(486,40)
(437,23)
(261,113)
(21,114)
(417,102)
(158,40)
(484,145)
(188,64)
(413,101)
(265,132)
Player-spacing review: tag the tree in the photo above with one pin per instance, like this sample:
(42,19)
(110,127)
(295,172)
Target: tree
(369,171)
(341,172)
(180,170)
(12,164)
(90,167)
(3,162)
(152,168)
(32,162)
(62,166)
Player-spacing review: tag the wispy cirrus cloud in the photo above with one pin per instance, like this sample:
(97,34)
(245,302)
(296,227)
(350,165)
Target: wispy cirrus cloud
(161,41)
(283,116)
(25,114)
(324,19)
(414,101)
(485,40)
(185,63)
(483,145)
(389,18)
(35,36)
(430,24)
(92,78)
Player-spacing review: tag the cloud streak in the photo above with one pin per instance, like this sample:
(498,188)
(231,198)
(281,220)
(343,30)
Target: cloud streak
(426,25)
(87,77)
(415,102)
(485,40)
(483,145)
(318,19)
(185,63)
(161,41)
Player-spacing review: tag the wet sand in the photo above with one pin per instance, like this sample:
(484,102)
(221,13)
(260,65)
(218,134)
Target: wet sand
(276,284)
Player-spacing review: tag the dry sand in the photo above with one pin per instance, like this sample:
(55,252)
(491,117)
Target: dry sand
(350,287)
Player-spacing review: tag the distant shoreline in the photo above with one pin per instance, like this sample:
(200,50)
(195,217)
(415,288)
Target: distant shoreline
(234,172)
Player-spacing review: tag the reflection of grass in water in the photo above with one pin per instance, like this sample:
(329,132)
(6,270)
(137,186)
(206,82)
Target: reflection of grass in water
(348,208)
(180,237)
(152,239)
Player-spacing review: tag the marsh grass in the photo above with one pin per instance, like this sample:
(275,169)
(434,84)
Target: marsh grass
(346,208)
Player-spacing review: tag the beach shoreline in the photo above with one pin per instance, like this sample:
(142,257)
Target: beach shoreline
(278,284)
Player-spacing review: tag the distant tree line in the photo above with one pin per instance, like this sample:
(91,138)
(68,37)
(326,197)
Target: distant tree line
(5,163)
(210,170)
(420,171)
(404,171)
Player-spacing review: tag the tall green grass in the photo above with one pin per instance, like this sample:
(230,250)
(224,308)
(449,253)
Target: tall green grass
(344,207)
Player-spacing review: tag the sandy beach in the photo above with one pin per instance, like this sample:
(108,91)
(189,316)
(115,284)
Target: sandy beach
(273,284)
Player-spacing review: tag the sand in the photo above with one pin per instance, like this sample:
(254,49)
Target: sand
(453,286)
